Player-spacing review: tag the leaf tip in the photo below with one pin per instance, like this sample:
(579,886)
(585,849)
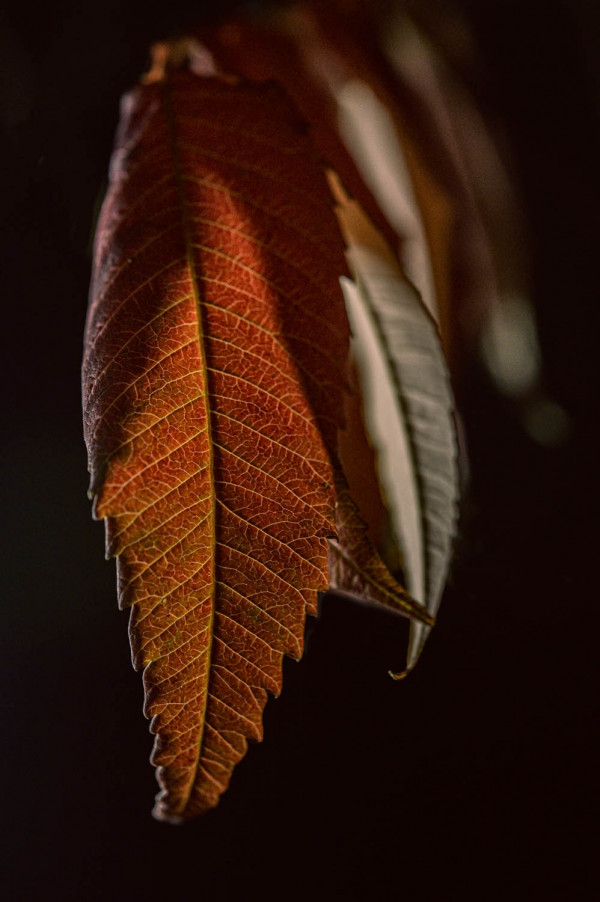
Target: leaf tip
(400,675)
(419,633)
(160,813)
(181,53)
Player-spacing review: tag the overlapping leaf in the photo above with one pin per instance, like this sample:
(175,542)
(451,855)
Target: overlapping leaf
(408,409)
(212,388)
(333,68)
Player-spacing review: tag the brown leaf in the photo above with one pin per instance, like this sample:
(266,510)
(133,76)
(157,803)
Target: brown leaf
(212,380)
(355,567)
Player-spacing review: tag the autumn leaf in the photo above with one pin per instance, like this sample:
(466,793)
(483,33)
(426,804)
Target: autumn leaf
(214,381)
(215,345)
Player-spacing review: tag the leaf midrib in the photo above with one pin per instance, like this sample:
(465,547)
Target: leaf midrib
(189,253)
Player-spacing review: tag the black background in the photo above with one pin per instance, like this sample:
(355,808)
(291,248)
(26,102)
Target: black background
(474,779)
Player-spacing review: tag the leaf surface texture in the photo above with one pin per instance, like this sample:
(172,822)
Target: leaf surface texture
(215,343)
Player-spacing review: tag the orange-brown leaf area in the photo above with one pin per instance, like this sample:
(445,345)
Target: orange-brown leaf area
(312,48)
(215,346)
(355,566)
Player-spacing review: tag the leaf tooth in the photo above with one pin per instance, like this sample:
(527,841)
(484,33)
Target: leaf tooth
(228,657)
(182,694)
(237,696)
(173,638)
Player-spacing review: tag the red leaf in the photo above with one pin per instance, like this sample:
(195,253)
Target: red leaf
(212,381)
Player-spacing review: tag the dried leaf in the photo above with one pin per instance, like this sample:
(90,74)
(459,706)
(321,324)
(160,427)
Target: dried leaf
(408,408)
(212,391)
(356,568)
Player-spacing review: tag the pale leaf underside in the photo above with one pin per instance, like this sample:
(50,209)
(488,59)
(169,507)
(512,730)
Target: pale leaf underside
(408,409)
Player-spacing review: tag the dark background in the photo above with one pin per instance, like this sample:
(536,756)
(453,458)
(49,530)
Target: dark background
(474,779)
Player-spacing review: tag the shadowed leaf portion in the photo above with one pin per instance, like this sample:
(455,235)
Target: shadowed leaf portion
(356,569)
(212,380)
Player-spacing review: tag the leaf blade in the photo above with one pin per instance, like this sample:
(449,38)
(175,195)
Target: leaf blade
(408,409)
(210,415)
